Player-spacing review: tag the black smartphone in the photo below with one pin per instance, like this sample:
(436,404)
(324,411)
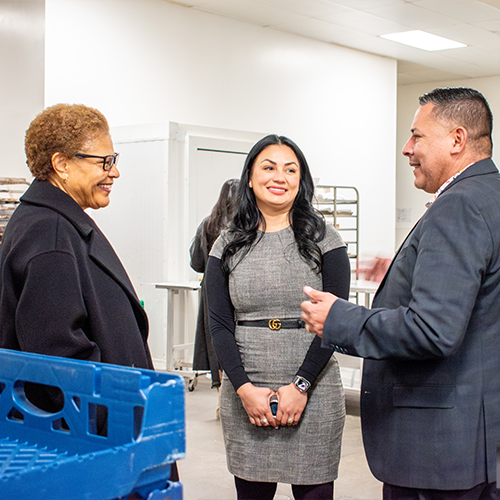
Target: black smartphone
(273,403)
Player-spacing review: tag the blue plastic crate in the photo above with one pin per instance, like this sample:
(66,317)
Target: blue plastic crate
(65,455)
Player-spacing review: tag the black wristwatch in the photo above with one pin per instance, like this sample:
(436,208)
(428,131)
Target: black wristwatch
(301,383)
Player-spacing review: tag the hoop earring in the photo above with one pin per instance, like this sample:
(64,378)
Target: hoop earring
(65,180)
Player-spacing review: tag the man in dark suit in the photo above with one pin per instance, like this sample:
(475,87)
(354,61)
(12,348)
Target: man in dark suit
(430,396)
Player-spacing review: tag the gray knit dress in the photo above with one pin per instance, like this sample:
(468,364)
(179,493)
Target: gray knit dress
(268,283)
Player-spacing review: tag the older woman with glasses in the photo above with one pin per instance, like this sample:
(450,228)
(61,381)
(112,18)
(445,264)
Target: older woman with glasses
(63,289)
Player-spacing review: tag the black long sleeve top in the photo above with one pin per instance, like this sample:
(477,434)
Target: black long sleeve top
(336,279)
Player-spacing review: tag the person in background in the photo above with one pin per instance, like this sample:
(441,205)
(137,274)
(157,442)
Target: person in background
(208,231)
(430,396)
(276,244)
(376,269)
(63,290)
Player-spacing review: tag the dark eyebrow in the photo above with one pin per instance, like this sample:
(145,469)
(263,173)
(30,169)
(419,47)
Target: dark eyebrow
(274,163)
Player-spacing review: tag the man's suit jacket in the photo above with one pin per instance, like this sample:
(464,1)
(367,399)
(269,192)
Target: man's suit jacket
(430,393)
(63,290)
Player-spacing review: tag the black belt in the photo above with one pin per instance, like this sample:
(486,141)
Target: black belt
(273,324)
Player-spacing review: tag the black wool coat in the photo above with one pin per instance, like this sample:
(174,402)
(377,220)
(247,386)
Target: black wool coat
(63,289)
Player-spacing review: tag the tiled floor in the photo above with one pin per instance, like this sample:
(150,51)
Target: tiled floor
(204,474)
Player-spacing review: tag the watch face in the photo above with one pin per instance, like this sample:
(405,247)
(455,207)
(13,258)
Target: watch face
(302,384)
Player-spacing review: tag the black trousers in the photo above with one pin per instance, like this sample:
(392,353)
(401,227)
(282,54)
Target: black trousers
(251,490)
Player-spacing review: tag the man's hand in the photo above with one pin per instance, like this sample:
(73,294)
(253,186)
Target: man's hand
(316,311)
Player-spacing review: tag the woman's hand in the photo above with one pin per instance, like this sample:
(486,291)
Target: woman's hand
(291,404)
(256,403)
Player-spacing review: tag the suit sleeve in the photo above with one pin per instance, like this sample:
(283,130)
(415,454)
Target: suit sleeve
(222,326)
(336,274)
(51,314)
(451,261)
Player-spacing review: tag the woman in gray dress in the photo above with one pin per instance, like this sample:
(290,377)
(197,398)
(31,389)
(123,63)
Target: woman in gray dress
(276,244)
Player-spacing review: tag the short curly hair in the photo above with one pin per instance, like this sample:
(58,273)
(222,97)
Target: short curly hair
(63,128)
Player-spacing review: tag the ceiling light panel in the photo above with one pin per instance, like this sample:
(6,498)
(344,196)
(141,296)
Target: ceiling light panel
(423,40)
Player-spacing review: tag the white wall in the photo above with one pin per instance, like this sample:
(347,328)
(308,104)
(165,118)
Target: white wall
(408,198)
(21,79)
(149,61)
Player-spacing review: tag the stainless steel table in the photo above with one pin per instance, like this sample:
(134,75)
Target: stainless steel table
(175,288)
(368,288)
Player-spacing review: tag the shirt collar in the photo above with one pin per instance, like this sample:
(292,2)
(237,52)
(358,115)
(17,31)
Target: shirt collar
(445,185)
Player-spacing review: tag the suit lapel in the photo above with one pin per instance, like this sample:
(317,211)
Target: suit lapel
(382,283)
(482,167)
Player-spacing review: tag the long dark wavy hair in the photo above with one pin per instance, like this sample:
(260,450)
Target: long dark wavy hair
(222,212)
(307,223)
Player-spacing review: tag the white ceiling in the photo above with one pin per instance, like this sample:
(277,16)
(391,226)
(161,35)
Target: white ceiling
(358,23)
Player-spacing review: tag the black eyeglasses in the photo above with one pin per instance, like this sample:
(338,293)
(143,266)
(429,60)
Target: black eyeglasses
(107,161)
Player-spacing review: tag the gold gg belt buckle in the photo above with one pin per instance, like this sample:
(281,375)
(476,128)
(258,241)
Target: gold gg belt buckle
(274,324)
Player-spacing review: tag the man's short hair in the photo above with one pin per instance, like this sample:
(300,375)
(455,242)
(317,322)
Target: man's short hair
(466,107)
